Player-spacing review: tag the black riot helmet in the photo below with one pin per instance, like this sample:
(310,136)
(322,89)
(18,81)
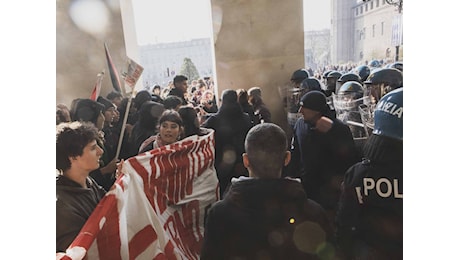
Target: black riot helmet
(388,76)
(374,64)
(351,87)
(363,72)
(324,76)
(350,76)
(311,84)
(299,75)
(332,78)
(397,65)
(381,82)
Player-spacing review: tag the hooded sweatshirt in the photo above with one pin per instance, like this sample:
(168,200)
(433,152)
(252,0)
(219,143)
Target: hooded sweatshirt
(266,218)
(74,205)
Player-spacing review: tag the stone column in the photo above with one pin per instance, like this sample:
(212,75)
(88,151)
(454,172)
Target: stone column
(258,43)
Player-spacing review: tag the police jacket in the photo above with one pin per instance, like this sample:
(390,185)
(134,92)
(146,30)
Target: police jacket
(370,215)
(74,205)
(266,218)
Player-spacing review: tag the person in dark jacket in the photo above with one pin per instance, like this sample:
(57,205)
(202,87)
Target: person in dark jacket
(370,216)
(77,194)
(264,216)
(180,88)
(243,100)
(322,151)
(231,125)
(260,109)
(146,125)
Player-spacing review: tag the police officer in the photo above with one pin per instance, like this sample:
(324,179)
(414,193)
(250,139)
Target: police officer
(370,216)
(349,76)
(363,72)
(346,103)
(294,94)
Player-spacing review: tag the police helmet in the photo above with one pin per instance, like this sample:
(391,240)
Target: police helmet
(388,76)
(311,84)
(334,74)
(397,65)
(351,87)
(374,64)
(388,115)
(349,76)
(326,73)
(331,80)
(299,75)
(363,72)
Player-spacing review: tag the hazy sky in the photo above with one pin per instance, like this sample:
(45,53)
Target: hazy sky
(162,21)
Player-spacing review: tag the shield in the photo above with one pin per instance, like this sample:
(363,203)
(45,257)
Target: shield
(347,110)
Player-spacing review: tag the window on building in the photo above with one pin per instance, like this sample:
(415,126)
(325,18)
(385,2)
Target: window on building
(373,30)
(372,5)
(383,2)
(366,7)
(361,9)
(377,4)
(383,24)
(356,11)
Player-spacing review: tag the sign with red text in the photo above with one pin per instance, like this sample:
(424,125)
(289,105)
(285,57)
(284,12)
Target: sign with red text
(156,208)
(133,73)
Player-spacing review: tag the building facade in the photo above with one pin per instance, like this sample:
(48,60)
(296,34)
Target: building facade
(163,61)
(317,48)
(365,30)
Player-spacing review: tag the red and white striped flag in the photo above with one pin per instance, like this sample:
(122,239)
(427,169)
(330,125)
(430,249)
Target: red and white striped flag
(156,208)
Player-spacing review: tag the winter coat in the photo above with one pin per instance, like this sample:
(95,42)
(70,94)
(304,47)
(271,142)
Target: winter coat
(231,126)
(74,205)
(321,160)
(266,218)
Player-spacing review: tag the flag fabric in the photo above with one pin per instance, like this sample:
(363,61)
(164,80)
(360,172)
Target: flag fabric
(133,73)
(97,87)
(156,209)
(112,70)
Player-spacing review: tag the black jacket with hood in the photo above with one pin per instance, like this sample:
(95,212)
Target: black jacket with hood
(266,218)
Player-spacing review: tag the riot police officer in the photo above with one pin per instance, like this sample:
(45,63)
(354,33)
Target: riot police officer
(349,76)
(363,72)
(293,95)
(346,104)
(370,216)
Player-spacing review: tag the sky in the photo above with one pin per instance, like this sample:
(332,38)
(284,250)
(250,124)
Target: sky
(162,21)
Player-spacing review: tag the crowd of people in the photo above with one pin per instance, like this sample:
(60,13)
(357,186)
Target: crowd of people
(322,194)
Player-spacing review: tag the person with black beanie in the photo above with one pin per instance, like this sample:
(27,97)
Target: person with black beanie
(322,151)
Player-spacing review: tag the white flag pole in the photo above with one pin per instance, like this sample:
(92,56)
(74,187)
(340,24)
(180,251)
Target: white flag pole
(131,76)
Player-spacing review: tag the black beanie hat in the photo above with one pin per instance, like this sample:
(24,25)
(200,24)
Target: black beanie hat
(104,101)
(87,110)
(314,100)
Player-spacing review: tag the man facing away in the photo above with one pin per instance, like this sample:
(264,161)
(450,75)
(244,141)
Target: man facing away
(264,216)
